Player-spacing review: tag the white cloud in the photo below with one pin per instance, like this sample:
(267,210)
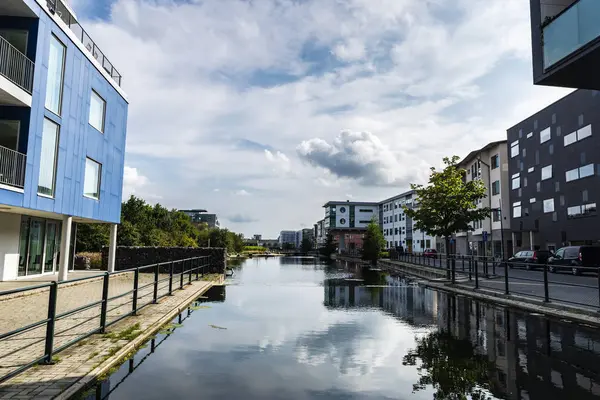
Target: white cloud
(132,181)
(427,78)
(242,192)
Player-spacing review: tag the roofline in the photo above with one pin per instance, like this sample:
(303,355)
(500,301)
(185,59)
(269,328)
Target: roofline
(356,203)
(398,196)
(549,106)
(472,154)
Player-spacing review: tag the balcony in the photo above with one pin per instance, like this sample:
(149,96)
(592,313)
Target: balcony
(63,12)
(12,168)
(18,70)
(570,49)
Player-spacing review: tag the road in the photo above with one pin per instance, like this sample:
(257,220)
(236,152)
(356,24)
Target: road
(562,287)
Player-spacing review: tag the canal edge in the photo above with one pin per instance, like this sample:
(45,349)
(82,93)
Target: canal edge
(132,346)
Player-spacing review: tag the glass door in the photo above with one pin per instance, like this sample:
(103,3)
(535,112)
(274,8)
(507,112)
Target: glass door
(23,246)
(36,247)
(51,250)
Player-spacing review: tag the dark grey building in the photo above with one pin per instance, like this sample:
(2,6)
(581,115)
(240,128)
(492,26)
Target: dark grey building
(565,43)
(554,174)
(199,216)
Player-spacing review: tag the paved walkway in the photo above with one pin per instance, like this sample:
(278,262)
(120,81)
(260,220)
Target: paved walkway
(80,360)
(20,312)
(38,280)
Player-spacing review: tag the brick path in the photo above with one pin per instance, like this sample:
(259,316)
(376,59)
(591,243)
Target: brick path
(19,312)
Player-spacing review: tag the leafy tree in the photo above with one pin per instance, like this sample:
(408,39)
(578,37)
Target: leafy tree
(448,204)
(306,245)
(92,237)
(330,246)
(450,366)
(373,242)
(289,246)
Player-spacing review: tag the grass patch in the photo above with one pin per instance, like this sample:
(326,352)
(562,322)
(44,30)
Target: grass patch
(126,334)
(216,327)
(211,277)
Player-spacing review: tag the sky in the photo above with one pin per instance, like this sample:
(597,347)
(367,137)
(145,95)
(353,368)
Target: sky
(261,111)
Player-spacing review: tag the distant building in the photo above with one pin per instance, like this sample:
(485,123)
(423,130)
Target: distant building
(320,234)
(199,216)
(304,233)
(347,221)
(287,237)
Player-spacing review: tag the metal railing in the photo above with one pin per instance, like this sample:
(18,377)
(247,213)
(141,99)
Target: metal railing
(526,279)
(147,287)
(87,41)
(12,167)
(15,66)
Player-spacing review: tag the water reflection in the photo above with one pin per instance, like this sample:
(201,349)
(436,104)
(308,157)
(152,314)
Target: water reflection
(300,329)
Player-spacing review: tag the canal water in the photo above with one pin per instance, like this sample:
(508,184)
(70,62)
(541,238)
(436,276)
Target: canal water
(295,328)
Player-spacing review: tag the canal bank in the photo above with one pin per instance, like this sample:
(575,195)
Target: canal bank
(81,364)
(297,329)
(490,289)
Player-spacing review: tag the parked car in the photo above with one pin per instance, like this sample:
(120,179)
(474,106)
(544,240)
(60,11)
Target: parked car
(430,253)
(576,259)
(529,259)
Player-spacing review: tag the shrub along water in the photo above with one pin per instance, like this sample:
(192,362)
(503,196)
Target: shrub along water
(143,224)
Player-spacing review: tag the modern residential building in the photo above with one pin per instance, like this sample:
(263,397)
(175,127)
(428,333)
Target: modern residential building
(489,165)
(320,234)
(347,221)
(304,233)
(553,165)
(200,216)
(63,121)
(287,238)
(398,228)
(565,43)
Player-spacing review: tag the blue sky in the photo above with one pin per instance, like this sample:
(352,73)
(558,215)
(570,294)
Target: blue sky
(262,111)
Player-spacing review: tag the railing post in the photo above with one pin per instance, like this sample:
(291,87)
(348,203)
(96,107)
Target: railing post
(181,275)
(171,279)
(197,268)
(470,269)
(476,273)
(190,264)
(506,290)
(51,322)
(453,261)
(104,306)
(136,283)
(546,289)
(463,266)
(599,289)
(155,295)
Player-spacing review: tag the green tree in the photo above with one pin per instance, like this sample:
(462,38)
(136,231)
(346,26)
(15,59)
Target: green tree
(373,242)
(330,246)
(448,204)
(306,245)
(450,366)
(92,237)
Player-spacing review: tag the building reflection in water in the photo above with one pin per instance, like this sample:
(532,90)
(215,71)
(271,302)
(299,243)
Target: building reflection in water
(526,356)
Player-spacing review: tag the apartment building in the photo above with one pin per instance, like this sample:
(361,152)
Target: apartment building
(555,184)
(287,238)
(490,166)
(565,43)
(200,216)
(347,221)
(63,121)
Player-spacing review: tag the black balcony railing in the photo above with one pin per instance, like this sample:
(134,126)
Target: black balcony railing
(15,66)
(12,167)
(87,41)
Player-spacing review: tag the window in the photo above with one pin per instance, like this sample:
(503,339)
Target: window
(514,149)
(365,210)
(572,175)
(517,209)
(545,135)
(573,212)
(496,215)
(91,182)
(495,161)
(56,66)
(532,200)
(396,218)
(97,111)
(578,135)
(364,222)
(516,182)
(580,211)
(547,172)
(495,188)
(48,158)
(548,205)
(581,172)
(530,134)
(531,169)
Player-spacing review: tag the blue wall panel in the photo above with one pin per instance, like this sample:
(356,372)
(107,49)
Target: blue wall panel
(78,139)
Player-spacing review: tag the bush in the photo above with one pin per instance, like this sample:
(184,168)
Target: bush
(384,254)
(254,249)
(95,259)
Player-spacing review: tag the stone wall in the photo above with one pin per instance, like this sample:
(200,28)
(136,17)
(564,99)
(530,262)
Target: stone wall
(132,257)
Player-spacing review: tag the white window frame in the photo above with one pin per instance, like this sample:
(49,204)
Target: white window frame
(548,206)
(99,178)
(96,95)
(514,149)
(545,174)
(516,182)
(545,135)
(532,200)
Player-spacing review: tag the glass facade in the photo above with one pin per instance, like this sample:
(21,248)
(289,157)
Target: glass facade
(39,246)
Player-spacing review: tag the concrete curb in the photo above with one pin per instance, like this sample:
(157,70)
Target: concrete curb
(133,345)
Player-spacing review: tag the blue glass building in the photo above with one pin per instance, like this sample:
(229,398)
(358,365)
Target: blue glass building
(63,122)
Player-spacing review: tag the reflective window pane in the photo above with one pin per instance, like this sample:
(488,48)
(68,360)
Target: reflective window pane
(547,172)
(54,88)
(586,170)
(570,138)
(91,183)
(46,183)
(572,175)
(549,205)
(97,111)
(545,135)
(584,132)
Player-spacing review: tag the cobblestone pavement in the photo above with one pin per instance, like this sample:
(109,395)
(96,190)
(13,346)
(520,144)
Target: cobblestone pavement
(47,381)
(16,313)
